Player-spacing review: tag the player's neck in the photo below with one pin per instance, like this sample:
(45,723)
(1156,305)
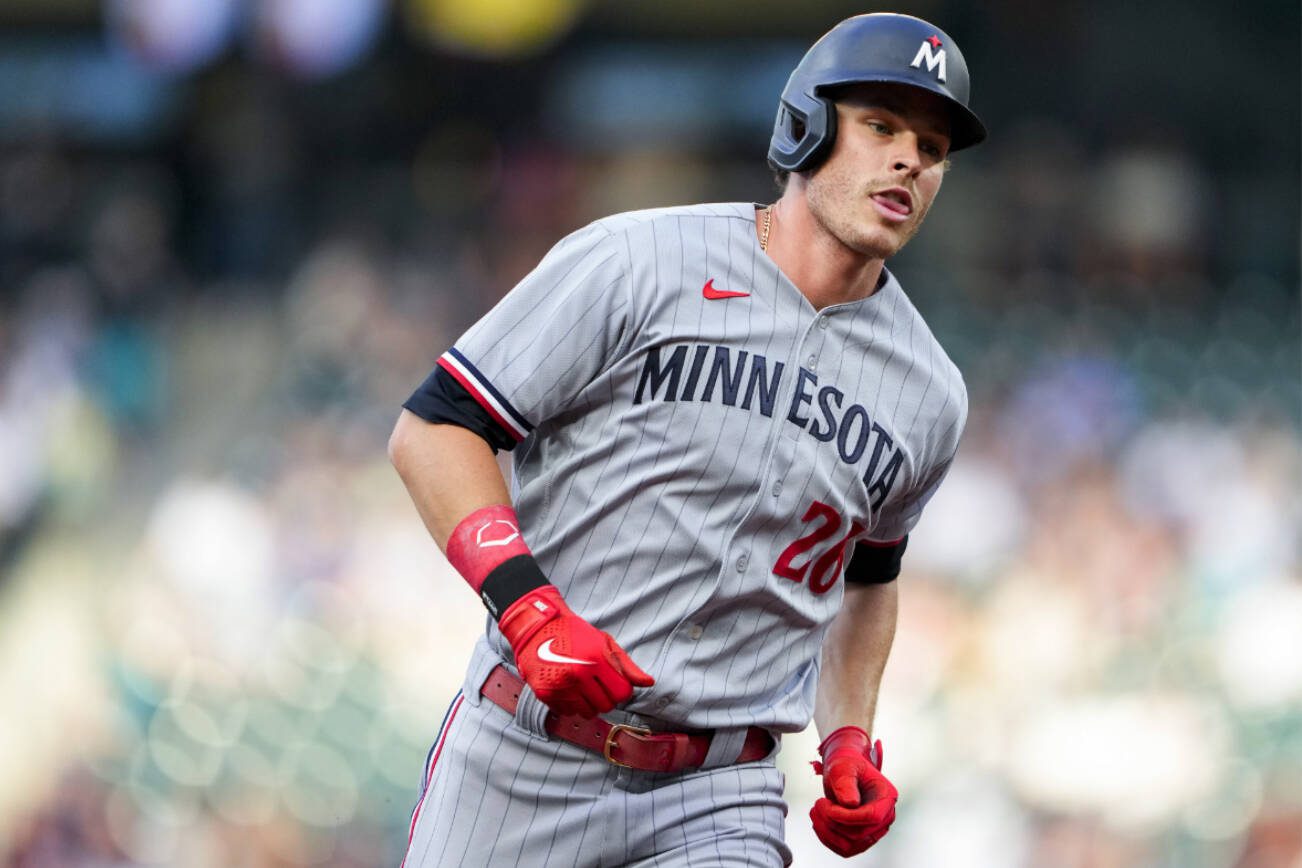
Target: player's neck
(824,270)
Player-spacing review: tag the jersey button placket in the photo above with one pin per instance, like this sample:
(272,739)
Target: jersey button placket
(815,343)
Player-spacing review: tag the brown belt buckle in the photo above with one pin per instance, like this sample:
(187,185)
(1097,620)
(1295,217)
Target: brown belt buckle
(615,729)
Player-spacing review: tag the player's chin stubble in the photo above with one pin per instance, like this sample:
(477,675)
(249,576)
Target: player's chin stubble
(849,215)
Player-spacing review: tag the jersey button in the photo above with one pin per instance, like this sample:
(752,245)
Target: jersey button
(662,702)
(696,632)
(813,360)
(822,322)
(777,488)
(741,563)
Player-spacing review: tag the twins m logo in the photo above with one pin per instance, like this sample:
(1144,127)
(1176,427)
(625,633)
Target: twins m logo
(932,54)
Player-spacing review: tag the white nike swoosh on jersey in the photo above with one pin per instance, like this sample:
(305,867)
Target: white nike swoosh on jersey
(545,652)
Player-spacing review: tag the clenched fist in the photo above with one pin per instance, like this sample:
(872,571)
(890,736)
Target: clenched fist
(858,806)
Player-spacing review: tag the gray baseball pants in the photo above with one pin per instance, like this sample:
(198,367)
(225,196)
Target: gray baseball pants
(497,791)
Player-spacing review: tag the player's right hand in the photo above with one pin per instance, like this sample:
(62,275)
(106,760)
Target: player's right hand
(858,806)
(573,667)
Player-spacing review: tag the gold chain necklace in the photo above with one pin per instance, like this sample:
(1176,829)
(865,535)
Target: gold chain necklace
(764,231)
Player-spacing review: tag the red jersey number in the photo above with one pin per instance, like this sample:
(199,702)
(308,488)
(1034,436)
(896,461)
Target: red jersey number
(821,570)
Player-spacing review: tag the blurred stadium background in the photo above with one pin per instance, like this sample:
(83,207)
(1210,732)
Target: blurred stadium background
(234,234)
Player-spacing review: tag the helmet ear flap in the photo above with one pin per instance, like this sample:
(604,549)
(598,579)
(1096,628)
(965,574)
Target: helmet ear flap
(802,133)
(828,136)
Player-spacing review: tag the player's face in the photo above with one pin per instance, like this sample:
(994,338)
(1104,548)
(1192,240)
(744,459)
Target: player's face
(875,188)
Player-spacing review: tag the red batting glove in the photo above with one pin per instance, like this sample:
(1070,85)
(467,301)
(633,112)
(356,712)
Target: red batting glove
(573,667)
(859,803)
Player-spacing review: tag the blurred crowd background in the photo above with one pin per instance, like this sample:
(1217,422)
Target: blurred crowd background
(235,234)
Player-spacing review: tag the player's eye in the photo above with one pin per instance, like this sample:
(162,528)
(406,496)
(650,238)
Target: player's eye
(879,128)
(931,150)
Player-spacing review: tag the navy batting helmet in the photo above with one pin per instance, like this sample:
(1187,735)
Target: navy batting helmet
(882,46)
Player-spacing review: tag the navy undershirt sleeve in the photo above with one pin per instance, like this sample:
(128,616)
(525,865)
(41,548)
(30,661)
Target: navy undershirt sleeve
(875,564)
(442,400)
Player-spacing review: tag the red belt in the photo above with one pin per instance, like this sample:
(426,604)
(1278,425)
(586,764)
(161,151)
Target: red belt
(621,744)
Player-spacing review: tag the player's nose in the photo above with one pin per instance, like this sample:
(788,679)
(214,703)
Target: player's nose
(906,156)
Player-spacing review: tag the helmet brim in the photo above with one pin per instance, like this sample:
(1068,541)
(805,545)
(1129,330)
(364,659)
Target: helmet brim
(965,128)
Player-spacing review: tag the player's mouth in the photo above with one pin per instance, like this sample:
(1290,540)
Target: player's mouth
(894,203)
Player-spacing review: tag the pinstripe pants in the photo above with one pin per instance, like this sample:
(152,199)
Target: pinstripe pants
(497,794)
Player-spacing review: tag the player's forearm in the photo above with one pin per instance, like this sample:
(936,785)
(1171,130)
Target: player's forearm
(854,656)
(450,472)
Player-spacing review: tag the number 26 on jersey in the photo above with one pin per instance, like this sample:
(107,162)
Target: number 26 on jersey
(820,569)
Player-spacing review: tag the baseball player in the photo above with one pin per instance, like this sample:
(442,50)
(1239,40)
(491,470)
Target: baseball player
(725,421)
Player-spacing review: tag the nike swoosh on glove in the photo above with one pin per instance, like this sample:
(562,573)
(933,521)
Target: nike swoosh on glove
(573,667)
(858,806)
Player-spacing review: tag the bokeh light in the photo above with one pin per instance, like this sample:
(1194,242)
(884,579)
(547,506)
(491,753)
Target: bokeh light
(494,28)
(175,36)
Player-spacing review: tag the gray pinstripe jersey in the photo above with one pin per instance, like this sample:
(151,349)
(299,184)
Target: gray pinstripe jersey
(693,468)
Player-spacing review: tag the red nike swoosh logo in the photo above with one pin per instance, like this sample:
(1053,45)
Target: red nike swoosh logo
(711,293)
